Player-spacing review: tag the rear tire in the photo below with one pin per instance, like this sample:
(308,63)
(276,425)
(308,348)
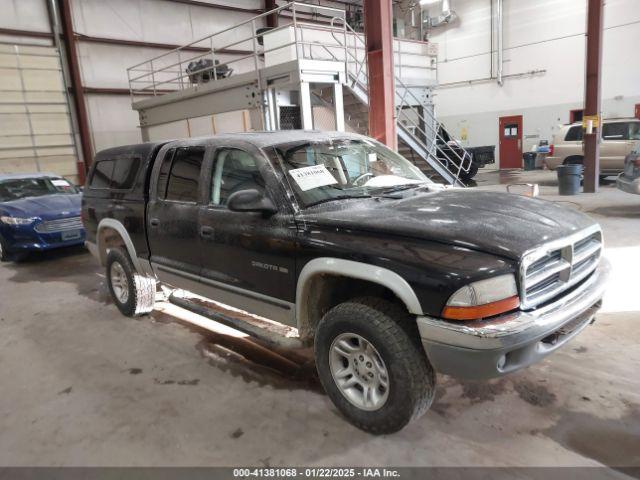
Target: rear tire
(133,294)
(466,176)
(371,364)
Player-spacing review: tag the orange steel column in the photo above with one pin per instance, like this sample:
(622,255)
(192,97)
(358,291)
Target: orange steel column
(379,41)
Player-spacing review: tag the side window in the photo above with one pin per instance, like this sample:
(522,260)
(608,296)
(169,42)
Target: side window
(233,170)
(184,178)
(102,174)
(574,134)
(125,172)
(616,131)
(634,131)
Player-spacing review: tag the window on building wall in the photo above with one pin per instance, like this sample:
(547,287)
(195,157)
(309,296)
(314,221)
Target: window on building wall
(576,115)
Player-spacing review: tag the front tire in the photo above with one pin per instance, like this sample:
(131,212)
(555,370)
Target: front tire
(133,294)
(4,254)
(371,364)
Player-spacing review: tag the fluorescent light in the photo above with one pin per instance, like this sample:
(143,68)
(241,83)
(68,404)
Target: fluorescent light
(426,3)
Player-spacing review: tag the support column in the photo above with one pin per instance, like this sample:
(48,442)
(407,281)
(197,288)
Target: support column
(64,7)
(272,20)
(338,104)
(305,106)
(379,45)
(592,100)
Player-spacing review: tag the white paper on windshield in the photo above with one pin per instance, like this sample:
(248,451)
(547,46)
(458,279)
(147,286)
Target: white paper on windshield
(60,183)
(312,177)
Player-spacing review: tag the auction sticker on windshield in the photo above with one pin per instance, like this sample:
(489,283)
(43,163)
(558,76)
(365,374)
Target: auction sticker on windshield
(312,177)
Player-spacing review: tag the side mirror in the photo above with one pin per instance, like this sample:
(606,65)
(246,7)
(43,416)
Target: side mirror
(251,200)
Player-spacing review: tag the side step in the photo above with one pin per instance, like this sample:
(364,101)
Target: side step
(271,333)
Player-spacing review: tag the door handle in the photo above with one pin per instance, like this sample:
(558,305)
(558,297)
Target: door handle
(154,222)
(206,231)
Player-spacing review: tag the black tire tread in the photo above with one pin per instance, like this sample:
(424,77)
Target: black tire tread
(402,340)
(142,289)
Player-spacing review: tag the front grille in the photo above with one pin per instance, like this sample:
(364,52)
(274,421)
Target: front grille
(60,225)
(553,268)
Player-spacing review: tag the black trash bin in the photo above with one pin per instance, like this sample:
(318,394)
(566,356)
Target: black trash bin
(569,179)
(529,160)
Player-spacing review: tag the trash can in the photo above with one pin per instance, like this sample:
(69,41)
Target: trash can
(569,179)
(529,159)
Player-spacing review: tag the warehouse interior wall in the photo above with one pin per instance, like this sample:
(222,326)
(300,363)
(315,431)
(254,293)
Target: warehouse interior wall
(36,133)
(544,36)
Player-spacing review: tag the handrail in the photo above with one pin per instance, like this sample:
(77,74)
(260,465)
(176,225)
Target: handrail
(434,129)
(168,68)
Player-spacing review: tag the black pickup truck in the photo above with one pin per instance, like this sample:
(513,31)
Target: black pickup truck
(390,276)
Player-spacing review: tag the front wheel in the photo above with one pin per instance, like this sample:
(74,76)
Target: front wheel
(372,366)
(133,294)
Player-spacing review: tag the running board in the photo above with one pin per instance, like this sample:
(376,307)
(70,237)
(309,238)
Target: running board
(269,332)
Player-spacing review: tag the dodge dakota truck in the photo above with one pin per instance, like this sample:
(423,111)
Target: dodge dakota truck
(391,277)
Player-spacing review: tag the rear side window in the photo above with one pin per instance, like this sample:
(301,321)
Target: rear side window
(616,131)
(125,172)
(102,174)
(574,134)
(119,174)
(184,177)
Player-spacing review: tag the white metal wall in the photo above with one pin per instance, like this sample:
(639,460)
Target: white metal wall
(111,118)
(35,122)
(541,35)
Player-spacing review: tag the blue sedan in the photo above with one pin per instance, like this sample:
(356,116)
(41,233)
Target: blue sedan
(38,212)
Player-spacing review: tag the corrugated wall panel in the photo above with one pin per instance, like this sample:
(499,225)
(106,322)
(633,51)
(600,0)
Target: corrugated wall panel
(35,123)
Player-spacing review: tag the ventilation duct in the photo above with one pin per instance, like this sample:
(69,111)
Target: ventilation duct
(446,16)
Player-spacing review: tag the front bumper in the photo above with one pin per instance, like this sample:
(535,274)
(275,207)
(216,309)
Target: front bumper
(629,185)
(490,348)
(23,238)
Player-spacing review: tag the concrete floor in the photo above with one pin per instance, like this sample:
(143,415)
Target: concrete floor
(83,385)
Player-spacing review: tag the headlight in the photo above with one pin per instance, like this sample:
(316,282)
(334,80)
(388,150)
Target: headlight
(484,298)
(17,220)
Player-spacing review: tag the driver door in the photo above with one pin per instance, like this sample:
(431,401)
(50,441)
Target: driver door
(248,259)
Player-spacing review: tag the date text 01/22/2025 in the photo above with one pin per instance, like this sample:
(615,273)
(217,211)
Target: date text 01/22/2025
(315,472)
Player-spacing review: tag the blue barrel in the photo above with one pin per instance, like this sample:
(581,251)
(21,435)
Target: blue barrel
(569,177)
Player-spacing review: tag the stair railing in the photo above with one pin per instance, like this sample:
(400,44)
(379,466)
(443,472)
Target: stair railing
(434,127)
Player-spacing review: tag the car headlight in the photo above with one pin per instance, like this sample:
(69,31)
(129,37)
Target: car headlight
(17,220)
(484,298)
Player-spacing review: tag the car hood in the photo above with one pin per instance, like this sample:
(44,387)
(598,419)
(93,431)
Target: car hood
(499,223)
(46,207)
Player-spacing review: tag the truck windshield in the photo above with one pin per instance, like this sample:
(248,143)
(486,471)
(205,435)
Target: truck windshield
(18,188)
(342,168)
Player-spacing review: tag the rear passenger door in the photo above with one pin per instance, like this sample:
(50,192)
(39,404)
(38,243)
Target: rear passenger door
(172,215)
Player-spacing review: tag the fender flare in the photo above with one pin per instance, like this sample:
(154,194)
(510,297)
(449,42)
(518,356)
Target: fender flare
(357,270)
(122,231)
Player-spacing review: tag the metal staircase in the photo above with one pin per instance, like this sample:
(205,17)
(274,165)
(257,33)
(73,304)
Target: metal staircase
(297,56)
(419,132)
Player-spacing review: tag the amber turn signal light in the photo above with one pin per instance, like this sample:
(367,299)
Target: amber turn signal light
(476,312)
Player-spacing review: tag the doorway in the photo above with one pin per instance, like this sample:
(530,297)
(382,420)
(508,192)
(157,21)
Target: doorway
(510,141)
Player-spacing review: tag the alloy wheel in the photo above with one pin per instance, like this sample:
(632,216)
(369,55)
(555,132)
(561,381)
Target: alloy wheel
(359,371)
(119,282)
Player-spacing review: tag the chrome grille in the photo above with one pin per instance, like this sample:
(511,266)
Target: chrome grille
(547,271)
(60,225)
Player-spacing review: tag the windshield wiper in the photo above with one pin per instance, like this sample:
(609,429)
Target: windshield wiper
(339,197)
(400,188)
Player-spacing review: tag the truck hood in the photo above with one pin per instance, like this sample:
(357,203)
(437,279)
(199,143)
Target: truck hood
(46,207)
(499,223)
